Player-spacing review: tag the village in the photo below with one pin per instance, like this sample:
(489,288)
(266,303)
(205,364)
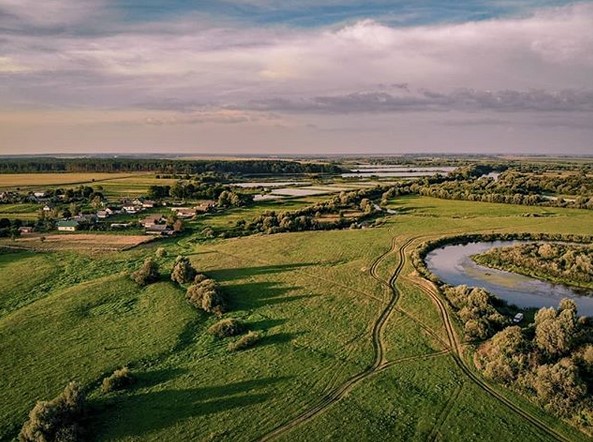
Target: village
(64,212)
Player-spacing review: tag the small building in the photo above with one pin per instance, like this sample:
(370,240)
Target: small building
(120,225)
(24,230)
(158,229)
(131,209)
(102,214)
(148,204)
(48,208)
(151,220)
(205,206)
(67,225)
(186,213)
(39,194)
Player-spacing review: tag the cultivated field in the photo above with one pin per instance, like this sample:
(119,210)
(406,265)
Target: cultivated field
(78,241)
(355,346)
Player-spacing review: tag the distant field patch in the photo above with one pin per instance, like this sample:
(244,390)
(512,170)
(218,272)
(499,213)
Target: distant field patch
(30,180)
(82,241)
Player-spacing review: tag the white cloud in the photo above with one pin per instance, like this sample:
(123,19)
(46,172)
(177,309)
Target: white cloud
(204,70)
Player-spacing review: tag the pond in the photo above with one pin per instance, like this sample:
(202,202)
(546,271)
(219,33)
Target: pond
(454,266)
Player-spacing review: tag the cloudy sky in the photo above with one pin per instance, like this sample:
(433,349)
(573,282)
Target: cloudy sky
(296,76)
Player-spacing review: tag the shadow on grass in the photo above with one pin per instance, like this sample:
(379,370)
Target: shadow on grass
(244,272)
(278,338)
(137,415)
(265,324)
(259,294)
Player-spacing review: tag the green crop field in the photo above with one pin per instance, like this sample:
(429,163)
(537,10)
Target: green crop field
(315,297)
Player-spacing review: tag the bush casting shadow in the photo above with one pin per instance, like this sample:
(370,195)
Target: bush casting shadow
(139,414)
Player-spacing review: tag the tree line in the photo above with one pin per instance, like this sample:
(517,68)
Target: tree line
(108,165)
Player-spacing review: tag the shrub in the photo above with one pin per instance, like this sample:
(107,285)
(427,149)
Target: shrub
(147,274)
(160,252)
(199,278)
(56,420)
(206,295)
(119,380)
(245,341)
(182,272)
(226,328)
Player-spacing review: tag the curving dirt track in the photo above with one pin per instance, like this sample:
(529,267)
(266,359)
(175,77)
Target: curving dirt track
(453,346)
(457,355)
(379,348)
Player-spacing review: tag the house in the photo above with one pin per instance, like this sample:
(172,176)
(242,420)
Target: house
(39,194)
(102,214)
(131,209)
(67,226)
(120,225)
(186,213)
(152,220)
(24,230)
(158,229)
(204,206)
(48,208)
(148,204)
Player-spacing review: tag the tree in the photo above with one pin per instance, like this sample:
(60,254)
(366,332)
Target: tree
(559,386)
(147,274)
(56,420)
(505,356)
(97,202)
(555,331)
(183,272)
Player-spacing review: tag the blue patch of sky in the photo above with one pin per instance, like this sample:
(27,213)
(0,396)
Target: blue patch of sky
(310,13)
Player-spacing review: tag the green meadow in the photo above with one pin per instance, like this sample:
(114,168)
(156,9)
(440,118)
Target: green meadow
(70,315)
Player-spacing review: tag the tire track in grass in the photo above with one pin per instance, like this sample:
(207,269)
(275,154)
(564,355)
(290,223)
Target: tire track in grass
(379,362)
(457,355)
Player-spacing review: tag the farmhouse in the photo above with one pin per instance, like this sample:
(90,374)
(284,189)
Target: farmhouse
(130,208)
(159,229)
(184,212)
(151,220)
(148,204)
(67,226)
(25,230)
(204,206)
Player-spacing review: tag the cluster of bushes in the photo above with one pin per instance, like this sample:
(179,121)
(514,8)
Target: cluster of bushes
(245,341)
(206,295)
(9,228)
(568,263)
(118,380)
(183,272)
(58,419)
(226,328)
(476,309)
(551,361)
(147,274)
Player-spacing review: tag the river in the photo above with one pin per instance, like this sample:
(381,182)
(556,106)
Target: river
(454,266)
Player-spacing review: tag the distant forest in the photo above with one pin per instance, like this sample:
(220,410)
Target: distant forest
(247,167)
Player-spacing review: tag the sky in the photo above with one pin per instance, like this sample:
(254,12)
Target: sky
(296,77)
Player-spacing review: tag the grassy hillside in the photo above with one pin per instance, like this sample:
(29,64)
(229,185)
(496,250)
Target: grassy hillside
(313,297)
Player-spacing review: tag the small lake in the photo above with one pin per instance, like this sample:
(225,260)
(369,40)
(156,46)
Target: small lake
(453,265)
(366,171)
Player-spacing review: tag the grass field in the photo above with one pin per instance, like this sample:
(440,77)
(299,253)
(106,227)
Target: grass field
(75,315)
(26,181)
